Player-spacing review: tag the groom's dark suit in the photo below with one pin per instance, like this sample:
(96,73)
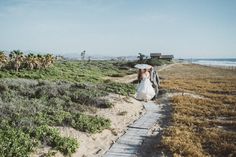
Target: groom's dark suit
(155,80)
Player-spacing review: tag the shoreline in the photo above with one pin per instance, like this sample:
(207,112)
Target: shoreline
(217,66)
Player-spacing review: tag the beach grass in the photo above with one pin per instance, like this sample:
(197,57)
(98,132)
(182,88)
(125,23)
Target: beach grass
(203,114)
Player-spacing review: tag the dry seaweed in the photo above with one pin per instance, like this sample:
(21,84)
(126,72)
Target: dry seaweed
(203,125)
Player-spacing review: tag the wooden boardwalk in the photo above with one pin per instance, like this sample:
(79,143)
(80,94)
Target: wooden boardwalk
(129,144)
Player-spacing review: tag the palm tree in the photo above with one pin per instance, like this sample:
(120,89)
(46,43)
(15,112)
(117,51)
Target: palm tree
(17,58)
(141,57)
(48,60)
(3,59)
(39,61)
(83,55)
(31,61)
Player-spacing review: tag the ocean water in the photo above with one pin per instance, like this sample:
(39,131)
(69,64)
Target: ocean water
(216,62)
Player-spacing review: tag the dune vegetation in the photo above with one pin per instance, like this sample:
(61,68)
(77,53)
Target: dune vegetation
(36,99)
(203,117)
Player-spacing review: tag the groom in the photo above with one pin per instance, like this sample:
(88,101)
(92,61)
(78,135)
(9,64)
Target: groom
(155,80)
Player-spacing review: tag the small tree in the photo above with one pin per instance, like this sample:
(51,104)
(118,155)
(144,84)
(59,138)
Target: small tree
(31,61)
(141,57)
(39,61)
(3,59)
(89,58)
(17,58)
(48,60)
(83,55)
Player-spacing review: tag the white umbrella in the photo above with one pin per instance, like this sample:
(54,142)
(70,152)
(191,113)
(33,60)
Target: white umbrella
(143,66)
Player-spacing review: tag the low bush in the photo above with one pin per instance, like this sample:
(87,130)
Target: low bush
(14,142)
(118,75)
(119,88)
(51,137)
(89,123)
(89,97)
(3,88)
(158,62)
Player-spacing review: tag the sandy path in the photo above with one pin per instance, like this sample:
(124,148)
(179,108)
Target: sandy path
(164,67)
(125,79)
(133,77)
(129,143)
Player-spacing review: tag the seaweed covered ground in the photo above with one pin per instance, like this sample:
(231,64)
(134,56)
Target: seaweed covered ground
(33,103)
(203,113)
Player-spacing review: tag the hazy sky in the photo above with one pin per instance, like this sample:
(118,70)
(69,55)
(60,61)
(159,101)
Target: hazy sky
(185,28)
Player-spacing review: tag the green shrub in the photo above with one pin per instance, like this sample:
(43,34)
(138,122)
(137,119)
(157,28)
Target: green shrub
(90,124)
(50,153)
(90,97)
(119,88)
(51,137)
(65,145)
(158,62)
(52,117)
(3,88)
(15,143)
(118,75)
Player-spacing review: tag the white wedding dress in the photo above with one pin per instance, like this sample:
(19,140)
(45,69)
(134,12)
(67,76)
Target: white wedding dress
(145,91)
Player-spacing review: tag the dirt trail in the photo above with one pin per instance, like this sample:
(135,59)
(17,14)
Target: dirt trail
(133,77)
(125,79)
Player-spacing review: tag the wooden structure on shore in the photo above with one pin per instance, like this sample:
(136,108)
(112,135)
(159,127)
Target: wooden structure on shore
(160,56)
(155,55)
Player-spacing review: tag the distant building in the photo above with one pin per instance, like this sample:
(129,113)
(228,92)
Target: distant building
(160,56)
(155,55)
(167,57)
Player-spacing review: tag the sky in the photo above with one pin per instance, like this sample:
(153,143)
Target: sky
(184,28)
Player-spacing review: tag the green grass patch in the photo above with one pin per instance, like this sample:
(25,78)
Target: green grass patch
(51,137)
(14,142)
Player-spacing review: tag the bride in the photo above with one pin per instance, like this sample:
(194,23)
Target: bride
(145,91)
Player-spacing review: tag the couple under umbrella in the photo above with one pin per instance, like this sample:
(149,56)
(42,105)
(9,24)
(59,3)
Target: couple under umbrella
(148,82)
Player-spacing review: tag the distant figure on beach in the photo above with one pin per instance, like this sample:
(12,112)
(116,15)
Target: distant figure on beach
(155,80)
(145,91)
